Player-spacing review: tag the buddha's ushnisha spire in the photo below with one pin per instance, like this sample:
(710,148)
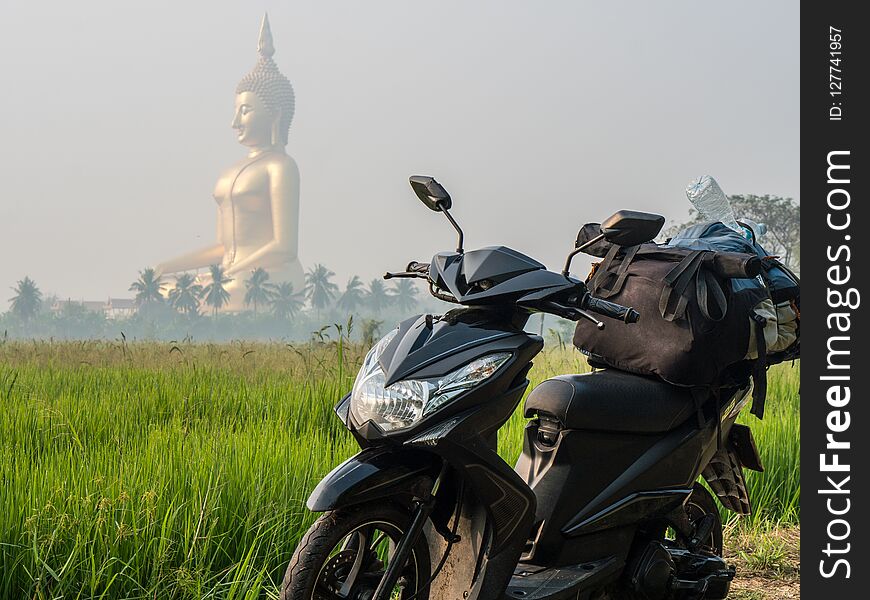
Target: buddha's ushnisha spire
(265,45)
(269,84)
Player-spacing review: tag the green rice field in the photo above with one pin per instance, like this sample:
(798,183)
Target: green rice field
(162,470)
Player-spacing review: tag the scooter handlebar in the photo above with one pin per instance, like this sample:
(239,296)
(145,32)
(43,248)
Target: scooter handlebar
(612,310)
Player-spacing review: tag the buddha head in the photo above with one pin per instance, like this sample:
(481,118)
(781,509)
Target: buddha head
(264,99)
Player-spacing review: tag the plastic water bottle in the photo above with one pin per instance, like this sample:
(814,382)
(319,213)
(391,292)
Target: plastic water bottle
(757,229)
(712,203)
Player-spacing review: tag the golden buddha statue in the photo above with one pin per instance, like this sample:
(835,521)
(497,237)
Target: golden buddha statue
(258,197)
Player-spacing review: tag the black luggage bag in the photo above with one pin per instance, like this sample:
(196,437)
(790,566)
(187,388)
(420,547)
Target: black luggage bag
(694,326)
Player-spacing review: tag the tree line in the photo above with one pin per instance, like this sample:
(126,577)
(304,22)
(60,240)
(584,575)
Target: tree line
(282,300)
(174,307)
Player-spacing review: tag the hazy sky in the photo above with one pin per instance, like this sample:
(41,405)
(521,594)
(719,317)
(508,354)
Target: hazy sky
(536,116)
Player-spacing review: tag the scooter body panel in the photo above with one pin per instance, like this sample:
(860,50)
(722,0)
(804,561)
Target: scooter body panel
(374,474)
(595,488)
(466,442)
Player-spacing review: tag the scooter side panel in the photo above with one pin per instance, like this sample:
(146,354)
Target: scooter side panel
(585,473)
(633,508)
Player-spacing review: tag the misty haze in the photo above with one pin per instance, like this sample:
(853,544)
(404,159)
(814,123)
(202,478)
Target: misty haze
(537,119)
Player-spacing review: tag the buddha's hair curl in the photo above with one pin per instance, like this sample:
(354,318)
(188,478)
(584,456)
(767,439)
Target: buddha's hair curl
(270,85)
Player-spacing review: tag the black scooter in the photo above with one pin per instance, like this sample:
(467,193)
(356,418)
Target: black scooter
(603,503)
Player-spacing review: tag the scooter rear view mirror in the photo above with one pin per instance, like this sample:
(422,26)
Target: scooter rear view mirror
(431,193)
(631,227)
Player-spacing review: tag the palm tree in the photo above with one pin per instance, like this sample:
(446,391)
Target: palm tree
(27,299)
(214,293)
(184,297)
(377,297)
(404,294)
(287,302)
(260,290)
(319,290)
(353,296)
(148,288)
(370,330)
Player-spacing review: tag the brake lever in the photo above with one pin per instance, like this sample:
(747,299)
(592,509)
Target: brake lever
(417,267)
(585,315)
(575,314)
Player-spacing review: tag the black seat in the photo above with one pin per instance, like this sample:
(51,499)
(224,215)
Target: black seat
(611,400)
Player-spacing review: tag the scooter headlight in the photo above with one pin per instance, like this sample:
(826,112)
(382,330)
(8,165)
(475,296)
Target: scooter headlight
(405,402)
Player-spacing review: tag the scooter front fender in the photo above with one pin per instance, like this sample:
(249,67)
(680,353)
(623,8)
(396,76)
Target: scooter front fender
(375,474)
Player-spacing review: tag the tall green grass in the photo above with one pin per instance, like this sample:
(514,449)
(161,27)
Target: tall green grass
(180,470)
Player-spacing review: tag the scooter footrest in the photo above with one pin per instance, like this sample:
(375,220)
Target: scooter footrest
(535,583)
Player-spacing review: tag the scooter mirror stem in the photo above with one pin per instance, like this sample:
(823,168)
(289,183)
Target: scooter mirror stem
(577,251)
(455,226)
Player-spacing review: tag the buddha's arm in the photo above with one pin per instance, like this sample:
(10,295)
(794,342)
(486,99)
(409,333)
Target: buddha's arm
(197,259)
(284,197)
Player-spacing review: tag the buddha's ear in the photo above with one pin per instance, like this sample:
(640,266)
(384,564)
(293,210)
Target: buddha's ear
(277,138)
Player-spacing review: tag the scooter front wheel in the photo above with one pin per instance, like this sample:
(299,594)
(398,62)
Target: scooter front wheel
(346,551)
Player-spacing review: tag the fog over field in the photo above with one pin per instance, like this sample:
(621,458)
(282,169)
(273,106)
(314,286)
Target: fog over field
(537,117)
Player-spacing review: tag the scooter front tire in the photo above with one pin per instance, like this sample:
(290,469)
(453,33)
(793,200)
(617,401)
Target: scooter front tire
(328,555)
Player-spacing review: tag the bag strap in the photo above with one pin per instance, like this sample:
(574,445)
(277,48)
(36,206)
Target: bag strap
(759,369)
(678,280)
(621,272)
(603,270)
(707,284)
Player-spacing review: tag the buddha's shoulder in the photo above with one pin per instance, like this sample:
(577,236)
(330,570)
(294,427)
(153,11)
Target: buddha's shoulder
(281,162)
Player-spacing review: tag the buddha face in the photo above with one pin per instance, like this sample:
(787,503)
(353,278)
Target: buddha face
(253,122)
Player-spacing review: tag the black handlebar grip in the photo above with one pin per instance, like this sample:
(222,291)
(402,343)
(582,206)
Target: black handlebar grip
(612,310)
